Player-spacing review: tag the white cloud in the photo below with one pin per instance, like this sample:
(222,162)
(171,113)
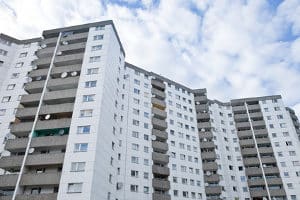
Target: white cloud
(234,48)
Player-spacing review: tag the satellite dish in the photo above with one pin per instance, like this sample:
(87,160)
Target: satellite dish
(206,184)
(29,79)
(38,78)
(208,173)
(64,75)
(202,130)
(34,67)
(43,46)
(74,73)
(59,53)
(31,150)
(47,117)
(197,103)
(204,139)
(61,132)
(153,137)
(204,111)
(65,43)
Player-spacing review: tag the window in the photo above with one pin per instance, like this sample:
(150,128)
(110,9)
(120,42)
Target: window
(279,116)
(290,185)
(91,71)
(86,113)
(74,187)
(134,173)
(98,28)
(18,65)
(134,159)
(135,134)
(88,98)
(83,129)
(3,52)
(282,125)
(80,147)
(2,112)
(292,153)
(77,166)
(135,147)
(146,190)
(146,175)
(6,99)
(15,75)
(1,63)
(296,163)
(26,45)
(136,91)
(137,82)
(135,122)
(276,108)
(134,188)
(146,162)
(98,37)
(11,86)
(97,47)
(22,55)
(94,59)
(90,84)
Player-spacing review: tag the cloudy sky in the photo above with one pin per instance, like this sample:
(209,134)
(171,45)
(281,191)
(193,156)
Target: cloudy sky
(234,48)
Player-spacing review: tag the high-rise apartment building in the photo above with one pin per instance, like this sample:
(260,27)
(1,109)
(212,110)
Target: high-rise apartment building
(79,123)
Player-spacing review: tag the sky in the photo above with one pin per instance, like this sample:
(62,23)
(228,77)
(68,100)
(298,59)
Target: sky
(234,48)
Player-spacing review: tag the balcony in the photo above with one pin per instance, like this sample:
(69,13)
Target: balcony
(251,161)
(263,140)
(40,179)
(274,181)
(246,142)
(265,150)
(68,59)
(50,41)
(240,117)
(43,63)
(204,125)
(157,196)
(14,162)
(60,96)
(158,103)
(203,116)
(63,83)
(8,180)
(211,190)
(210,166)
(36,142)
(207,135)
(30,99)
(161,114)
(38,72)
(256,115)
(202,107)
(160,134)
(46,52)
(258,193)
(158,84)
(75,47)
(34,87)
(158,93)
(256,182)
(249,151)
(22,129)
(244,134)
(261,132)
(271,170)
(201,99)
(278,193)
(259,123)
(214,178)
(159,124)
(253,171)
(57,71)
(242,124)
(207,145)
(160,184)
(268,160)
(26,113)
(208,155)
(78,37)
(165,171)
(160,158)
(238,109)
(160,146)
(254,107)
(49,196)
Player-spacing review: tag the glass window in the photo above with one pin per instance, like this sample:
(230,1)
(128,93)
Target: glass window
(92,71)
(84,129)
(81,147)
(88,98)
(95,59)
(97,47)
(74,187)
(98,37)
(77,166)
(86,113)
(90,84)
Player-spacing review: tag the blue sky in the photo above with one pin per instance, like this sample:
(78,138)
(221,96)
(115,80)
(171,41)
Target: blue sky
(234,48)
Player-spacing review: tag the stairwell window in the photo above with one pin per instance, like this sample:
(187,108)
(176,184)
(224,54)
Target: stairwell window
(90,84)
(3,52)
(74,187)
(6,99)
(23,55)
(77,166)
(91,71)
(98,37)
(11,86)
(19,64)
(98,28)
(97,47)
(86,113)
(80,147)
(83,129)
(88,98)
(95,59)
